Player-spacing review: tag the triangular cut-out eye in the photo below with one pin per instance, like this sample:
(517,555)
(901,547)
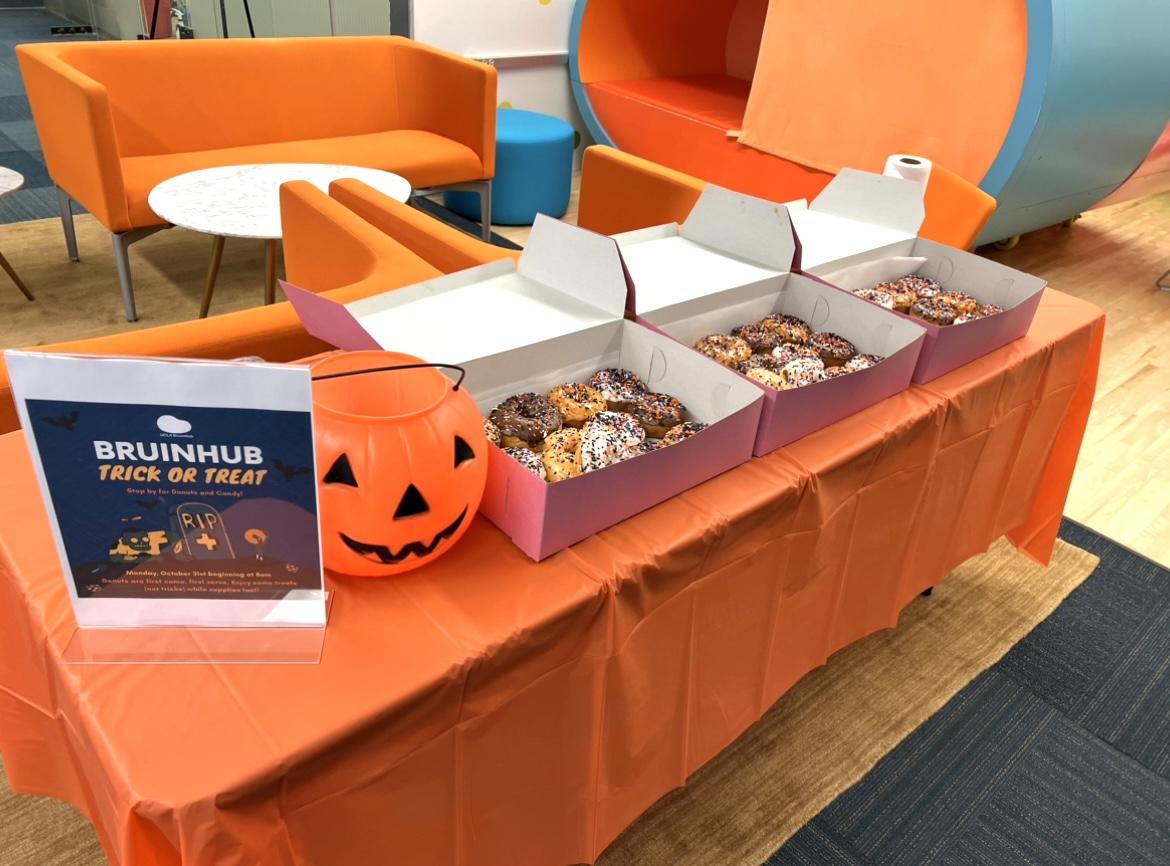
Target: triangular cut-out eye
(341,472)
(412,503)
(463,451)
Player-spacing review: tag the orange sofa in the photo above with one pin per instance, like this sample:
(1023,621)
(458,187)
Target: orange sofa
(117,118)
(349,244)
(621,192)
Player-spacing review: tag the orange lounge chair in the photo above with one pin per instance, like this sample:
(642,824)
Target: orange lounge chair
(117,118)
(621,192)
(356,243)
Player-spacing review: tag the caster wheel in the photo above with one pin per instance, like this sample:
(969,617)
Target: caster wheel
(1068,223)
(1008,243)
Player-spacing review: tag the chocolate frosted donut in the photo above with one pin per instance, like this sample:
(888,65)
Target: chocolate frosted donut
(619,387)
(802,372)
(766,362)
(834,349)
(934,311)
(861,362)
(759,337)
(608,438)
(922,287)
(792,351)
(524,420)
(876,296)
(725,349)
(529,459)
(657,413)
(790,328)
(576,404)
(647,445)
(683,431)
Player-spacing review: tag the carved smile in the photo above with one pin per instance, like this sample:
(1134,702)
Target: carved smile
(381,553)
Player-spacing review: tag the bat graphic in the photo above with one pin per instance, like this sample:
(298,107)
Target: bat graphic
(65,421)
(290,472)
(149,504)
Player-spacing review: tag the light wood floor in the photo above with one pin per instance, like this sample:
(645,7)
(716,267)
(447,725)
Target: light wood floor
(1111,257)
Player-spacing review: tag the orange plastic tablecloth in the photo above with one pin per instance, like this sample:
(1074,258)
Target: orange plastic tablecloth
(490,710)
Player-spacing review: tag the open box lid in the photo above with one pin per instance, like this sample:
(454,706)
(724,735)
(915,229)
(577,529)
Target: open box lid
(568,280)
(856,213)
(729,240)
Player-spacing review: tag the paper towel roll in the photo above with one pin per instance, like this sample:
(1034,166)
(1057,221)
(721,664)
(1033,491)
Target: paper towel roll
(910,167)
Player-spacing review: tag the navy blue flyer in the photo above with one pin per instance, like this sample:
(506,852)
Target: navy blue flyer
(180,502)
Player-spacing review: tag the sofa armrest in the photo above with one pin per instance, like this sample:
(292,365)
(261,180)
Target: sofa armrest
(76,131)
(620,192)
(448,95)
(956,209)
(442,246)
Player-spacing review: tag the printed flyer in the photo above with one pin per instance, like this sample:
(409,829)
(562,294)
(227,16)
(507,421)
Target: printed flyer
(186,512)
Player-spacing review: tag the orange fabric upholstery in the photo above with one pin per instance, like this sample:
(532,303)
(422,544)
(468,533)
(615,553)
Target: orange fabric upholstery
(620,192)
(115,118)
(328,248)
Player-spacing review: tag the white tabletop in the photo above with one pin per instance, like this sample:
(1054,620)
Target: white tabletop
(243,201)
(10,180)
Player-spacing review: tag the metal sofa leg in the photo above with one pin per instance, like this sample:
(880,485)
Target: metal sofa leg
(122,241)
(67,224)
(485,210)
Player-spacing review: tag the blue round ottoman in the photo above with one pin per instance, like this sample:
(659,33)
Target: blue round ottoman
(534,170)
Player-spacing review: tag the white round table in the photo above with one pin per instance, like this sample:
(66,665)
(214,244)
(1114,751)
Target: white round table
(11,181)
(243,201)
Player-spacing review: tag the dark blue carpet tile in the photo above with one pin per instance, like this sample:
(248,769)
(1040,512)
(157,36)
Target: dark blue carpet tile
(32,204)
(1057,755)
(14,107)
(28,163)
(22,133)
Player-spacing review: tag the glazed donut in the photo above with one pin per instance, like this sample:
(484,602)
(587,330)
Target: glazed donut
(792,351)
(769,378)
(725,349)
(529,459)
(902,297)
(759,337)
(560,454)
(934,311)
(790,328)
(576,404)
(524,420)
(877,296)
(802,372)
(834,349)
(922,287)
(961,301)
(491,431)
(861,362)
(683,431)
(647,445)
(618,387)
(608,438)
(657,413)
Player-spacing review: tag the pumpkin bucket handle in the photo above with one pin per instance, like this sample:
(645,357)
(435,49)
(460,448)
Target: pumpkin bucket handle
(458,382)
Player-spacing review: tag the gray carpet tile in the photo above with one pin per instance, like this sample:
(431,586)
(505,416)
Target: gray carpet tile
(31,204)
(22,134)
(14,107)
(30,164)
(1059,755)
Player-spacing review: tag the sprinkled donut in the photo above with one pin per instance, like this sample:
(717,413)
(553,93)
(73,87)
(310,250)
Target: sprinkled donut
(790,328)
(657,413)
(837,372)
(759,337)
(861,362)
(491,431)
(619,387)
(792,351)
(803,372)
(922,287)
(767,362)
(961,301)
(934,311)
(608,438)
(834,349)
(529,459)
(576,404)
(725,349)
(683,431)
(647,445)
(876,296)
(902,297)
(524,420)
(991,309)
(560,454)
(769,378)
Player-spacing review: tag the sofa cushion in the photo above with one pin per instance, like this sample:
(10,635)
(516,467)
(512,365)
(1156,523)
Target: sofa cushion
(423,158)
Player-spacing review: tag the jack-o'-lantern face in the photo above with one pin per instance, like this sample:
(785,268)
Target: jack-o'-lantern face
(402,462)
